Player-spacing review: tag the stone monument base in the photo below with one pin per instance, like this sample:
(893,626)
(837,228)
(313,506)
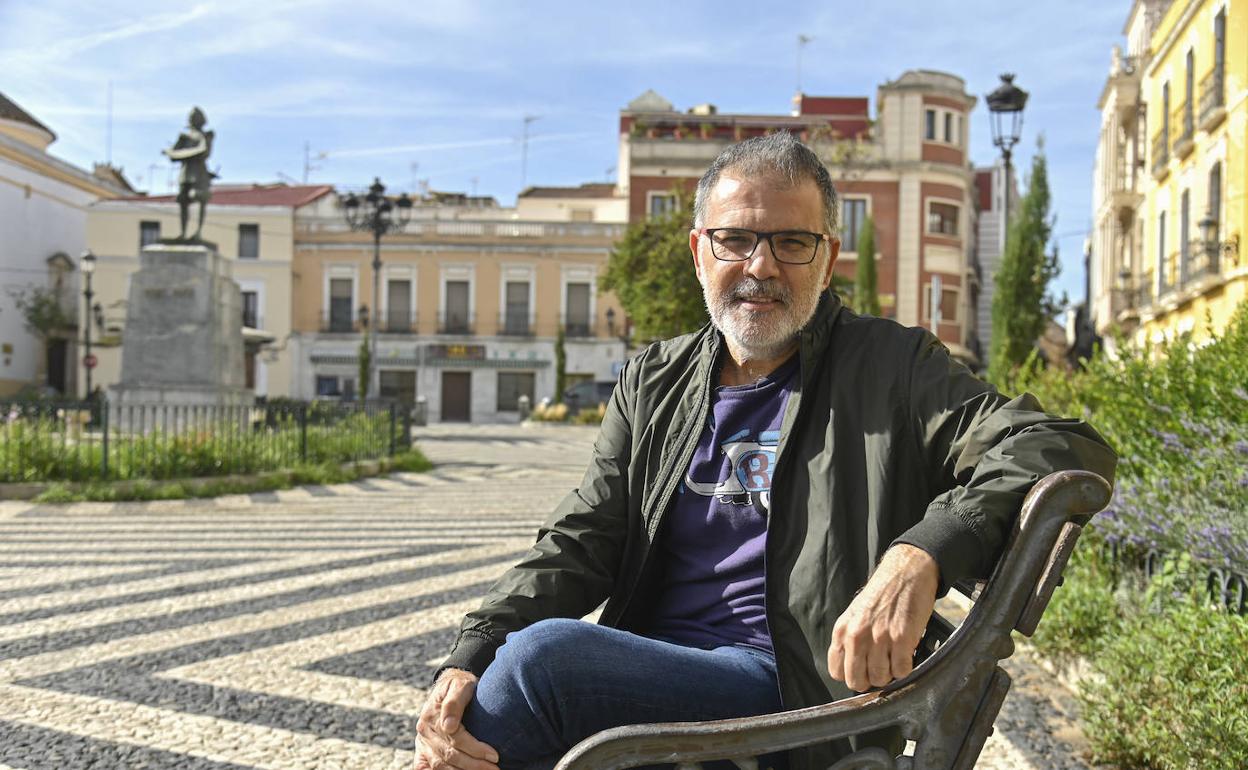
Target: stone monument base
(176,408)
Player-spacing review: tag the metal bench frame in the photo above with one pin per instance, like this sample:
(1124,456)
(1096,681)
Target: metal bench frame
(947,705)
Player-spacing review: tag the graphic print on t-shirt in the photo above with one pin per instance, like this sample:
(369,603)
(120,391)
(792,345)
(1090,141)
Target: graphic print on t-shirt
(746,476)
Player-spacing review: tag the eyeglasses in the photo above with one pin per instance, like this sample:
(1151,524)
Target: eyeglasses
(734,244)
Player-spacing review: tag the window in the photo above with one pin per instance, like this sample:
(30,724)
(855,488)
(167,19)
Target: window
(516,313)
(1185,224)
(942,219)
(340,315)
(1215,199)
(1161,246)
(398,305)
(582,215)
(1219,50)
(397,385)
(929,129)
(327,385)
(949,127)
(149,233)
(1189,93)
(853,214)
(249,241)
(455,315)
(949,296)
(251,309)
(513,385)
(957,137)
(660,204)
(576,324)
(1165,111)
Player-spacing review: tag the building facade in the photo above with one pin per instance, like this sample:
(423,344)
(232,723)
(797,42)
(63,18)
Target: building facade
(472,300)
(1171,204)
(991,222)
(43,232)
(907,168)
(253,226)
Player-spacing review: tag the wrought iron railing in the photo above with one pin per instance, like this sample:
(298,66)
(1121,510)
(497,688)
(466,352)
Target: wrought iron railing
(577,326)
(452,322)
(399,322)
(515,324)
(1183,120)
(339,323)
(44,441)
(1161,153)
(1212,96)
(1201,261)
(1169,278)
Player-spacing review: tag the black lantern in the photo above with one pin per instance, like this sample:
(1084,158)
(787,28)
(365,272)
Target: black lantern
(1005,107)
(379,215)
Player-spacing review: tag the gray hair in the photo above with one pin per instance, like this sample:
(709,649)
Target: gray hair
(776,155)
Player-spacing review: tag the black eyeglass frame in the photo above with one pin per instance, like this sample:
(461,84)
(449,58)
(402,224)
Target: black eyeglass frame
(759,237)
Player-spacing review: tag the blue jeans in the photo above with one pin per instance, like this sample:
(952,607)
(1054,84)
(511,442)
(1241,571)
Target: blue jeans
(560,681)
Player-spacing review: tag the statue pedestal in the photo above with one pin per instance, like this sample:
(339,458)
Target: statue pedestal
(183,341)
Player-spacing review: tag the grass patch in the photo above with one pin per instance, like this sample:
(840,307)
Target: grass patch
(323,473)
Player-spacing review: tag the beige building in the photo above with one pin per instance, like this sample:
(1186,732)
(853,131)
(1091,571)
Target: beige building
(43,222)
(472,297)
(253,226)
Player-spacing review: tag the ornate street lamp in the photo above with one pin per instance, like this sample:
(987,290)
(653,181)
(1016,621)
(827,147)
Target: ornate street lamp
(1005,106)
(378,215)
(87,263)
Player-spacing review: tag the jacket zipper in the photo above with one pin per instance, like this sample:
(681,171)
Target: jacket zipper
(692,430)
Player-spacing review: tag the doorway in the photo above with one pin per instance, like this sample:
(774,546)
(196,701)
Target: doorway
(456,396)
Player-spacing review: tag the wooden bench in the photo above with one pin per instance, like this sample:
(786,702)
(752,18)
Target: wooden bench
(946,706)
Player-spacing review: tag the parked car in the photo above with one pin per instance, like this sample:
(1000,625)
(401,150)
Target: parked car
(588,394)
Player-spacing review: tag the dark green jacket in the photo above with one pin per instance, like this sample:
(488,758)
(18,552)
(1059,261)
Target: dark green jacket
(885,439)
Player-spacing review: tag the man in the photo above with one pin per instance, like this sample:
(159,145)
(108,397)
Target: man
(747,481)
(192,149)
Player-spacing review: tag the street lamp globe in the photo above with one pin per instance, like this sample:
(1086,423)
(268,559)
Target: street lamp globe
(87,262)
(1006,108)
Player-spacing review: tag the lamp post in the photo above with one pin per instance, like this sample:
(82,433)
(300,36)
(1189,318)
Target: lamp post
(378,215)
(1005,106)
(87,263)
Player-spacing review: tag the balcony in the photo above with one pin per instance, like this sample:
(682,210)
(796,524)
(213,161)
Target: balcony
(1212,100)
(1170,278)
(1183,118)
(456,322)
(339,323)
(1161,154)
(1201,262)
(1140,295)
(515,324)
(398,322)
(577,327)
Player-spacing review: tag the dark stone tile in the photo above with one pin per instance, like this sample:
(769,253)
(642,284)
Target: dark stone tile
(405,660)
(39,748)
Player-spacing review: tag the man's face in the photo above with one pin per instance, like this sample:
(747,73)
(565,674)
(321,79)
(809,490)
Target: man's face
(760,304)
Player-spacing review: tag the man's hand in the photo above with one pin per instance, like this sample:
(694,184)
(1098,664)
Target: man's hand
(442,743)
(874,641)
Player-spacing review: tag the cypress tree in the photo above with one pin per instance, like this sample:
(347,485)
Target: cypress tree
(866,294)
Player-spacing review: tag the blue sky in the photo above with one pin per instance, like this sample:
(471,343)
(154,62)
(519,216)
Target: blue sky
(437,89)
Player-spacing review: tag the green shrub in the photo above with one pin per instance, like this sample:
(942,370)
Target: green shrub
(1174,694)
(1084,612)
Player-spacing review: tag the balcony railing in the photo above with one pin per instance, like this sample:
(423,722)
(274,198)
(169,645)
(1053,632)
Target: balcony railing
(1143,292)
(1212,99)
(1161,154)
(1184,120)
(253,320)
(515,324)
(339,323)
(577,327)
(1170,278)
(452,322)
(1201,262)
(398,322)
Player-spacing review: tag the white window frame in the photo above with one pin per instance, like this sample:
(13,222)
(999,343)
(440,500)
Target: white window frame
(927,217)
(400,273)
(461,271)
(850,250)
(943,114)
(926,310)
(517,272)
(339,271)
(579,274)
(652,194)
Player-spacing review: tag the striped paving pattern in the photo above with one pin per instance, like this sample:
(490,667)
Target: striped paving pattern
(292,629)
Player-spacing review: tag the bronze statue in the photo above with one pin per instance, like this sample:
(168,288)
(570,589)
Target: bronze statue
(195,180)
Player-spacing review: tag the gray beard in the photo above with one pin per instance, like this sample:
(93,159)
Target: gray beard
(760,339)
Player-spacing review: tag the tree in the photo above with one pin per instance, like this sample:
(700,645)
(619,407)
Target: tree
(561,366)
(43,314)
(366,361)
(651,271)
(1020,305)
(866,295)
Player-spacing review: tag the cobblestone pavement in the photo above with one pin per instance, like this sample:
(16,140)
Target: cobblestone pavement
(292,629)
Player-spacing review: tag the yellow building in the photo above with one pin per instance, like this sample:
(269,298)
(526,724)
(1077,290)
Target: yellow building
(1194,209)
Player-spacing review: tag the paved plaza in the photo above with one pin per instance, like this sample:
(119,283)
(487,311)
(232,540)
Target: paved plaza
(295,629)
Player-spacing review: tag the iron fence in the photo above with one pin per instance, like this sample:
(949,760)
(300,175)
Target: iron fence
(99,440)
(1223,586)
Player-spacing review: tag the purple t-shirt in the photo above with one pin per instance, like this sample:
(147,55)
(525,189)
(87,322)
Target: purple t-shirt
(711,549)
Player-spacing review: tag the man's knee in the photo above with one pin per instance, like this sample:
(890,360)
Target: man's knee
(531,648)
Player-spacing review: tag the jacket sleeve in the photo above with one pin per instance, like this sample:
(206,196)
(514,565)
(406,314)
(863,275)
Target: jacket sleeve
(572,567)
(981,454)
